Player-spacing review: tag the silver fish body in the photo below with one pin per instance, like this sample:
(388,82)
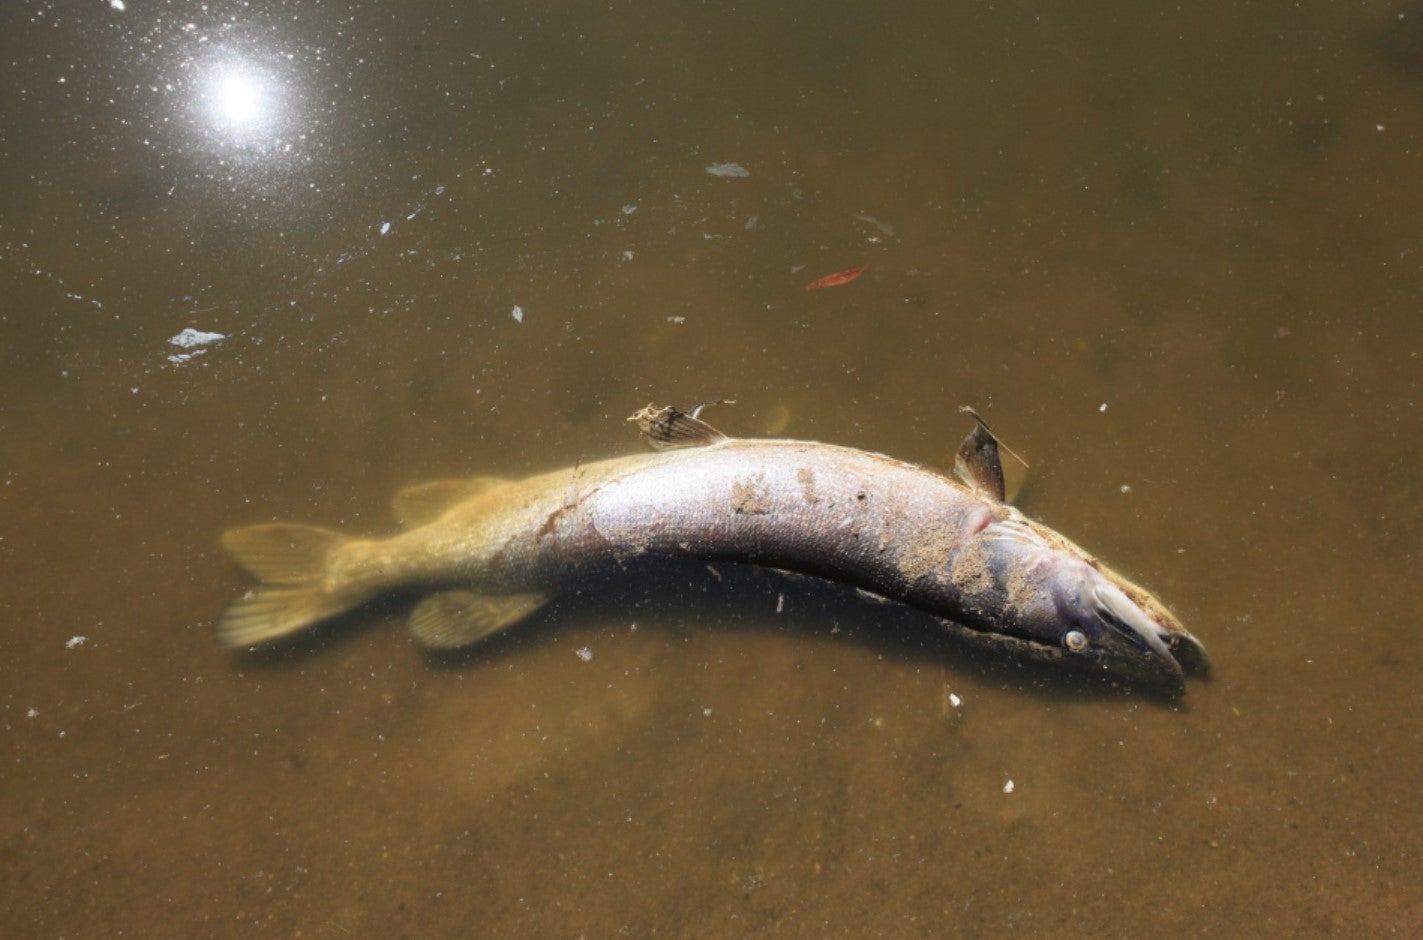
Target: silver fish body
(490,552)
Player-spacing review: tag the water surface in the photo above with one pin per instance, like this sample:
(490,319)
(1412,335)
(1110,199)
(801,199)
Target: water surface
(1172,255)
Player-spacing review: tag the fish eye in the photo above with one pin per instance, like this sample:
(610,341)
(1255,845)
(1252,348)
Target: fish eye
(1075,640)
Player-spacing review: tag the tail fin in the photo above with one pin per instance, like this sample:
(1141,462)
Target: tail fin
(291,561)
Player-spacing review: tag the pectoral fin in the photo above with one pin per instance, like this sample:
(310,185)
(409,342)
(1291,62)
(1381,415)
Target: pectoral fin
(669,427)
(978,463)
(425,502)
(453,619)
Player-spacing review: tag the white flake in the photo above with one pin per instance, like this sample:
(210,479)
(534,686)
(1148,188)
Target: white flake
(954,700)
(1008,787)
(1102,407)
(518,314)
(584,654)
(190,338)
(75,641)
(385,228)
(731,171)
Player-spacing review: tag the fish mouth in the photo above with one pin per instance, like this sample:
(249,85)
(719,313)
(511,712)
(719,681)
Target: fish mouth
(1141,641)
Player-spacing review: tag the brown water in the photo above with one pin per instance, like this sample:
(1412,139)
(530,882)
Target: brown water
(1173,253)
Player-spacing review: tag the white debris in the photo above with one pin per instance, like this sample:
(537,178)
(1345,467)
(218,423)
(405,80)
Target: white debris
(630,208)
(32,712)
(676,319)
(1102,407)
(1008,787)
(75,642)
(518,314)
(954,700)
(190,338)
(706,712)
(1126,488)
(780,603)
(584,654)
(731,171)
(385,228)
(884,227)
(117,5)
(751,223)
(627,256)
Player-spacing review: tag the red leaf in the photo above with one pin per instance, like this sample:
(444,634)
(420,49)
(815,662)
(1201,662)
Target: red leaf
(836,279)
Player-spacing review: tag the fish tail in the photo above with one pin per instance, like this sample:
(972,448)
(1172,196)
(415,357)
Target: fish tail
(292,561)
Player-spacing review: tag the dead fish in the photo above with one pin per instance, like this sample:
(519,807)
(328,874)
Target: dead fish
(489,552)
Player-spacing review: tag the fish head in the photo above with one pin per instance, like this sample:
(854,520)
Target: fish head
(1046,593)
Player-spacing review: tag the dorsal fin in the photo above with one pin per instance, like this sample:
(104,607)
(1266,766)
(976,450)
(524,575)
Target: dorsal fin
(670,427)
(977,463)
(423,503)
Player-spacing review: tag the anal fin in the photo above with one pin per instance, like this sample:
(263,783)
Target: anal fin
(423,503)
(452,619)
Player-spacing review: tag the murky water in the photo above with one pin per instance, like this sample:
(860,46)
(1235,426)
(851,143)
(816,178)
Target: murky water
(1172,254)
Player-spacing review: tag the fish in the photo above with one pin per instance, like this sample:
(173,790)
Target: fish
(488,552)
(836,279)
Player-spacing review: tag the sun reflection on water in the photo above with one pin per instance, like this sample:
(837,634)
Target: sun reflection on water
(240,107)
(238,100)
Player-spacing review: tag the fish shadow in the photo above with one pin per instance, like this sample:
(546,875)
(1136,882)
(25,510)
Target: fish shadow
(685,598)
(688,597)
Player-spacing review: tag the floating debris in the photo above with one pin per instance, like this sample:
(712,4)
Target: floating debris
(584,653)
(191,337)
(729,171)
(75,642)
(385,228)
(193,340)
(884,227)
(518,314)
(836,279)
(1008,787)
